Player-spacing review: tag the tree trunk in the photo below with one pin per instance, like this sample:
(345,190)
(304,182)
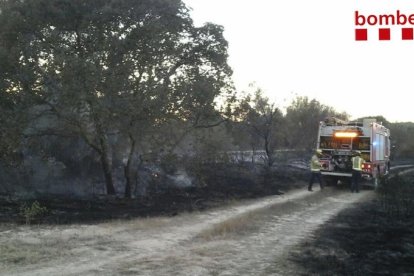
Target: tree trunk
(106,162)
(128,169)
(268,153)
(107,170)
(127,173)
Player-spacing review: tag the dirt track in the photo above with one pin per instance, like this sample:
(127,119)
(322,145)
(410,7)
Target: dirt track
(248,238)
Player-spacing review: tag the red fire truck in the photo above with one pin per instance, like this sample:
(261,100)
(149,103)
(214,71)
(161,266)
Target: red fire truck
(339,140)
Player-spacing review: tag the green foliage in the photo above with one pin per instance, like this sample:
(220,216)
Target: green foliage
(89,69)
(32,211)
(302,121)
(380,119)
(139,72)
(12,122)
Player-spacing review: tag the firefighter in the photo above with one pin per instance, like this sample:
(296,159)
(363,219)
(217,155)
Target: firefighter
(315,167)
(357,162)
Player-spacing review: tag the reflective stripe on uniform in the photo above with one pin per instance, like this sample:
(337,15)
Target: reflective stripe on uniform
(315,165)
(357,163)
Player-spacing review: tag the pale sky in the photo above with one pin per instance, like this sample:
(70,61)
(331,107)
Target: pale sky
(308,48)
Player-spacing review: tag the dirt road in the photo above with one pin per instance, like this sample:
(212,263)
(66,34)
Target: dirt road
(248,238)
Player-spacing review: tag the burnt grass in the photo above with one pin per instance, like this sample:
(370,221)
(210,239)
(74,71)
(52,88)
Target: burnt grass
(217,185)
(374,238)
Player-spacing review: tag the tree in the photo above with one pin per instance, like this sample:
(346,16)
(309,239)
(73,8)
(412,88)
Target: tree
(109,70)
(380,119)
(11,125)
(260,119)
(302,120)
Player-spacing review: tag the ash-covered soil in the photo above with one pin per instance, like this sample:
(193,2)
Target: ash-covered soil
(61,210)
(375,237)
(360,241)
(225,185)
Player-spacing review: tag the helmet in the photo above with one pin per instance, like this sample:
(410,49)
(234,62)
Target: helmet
(318,151)
(357,152)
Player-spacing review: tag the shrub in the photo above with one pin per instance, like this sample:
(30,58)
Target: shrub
(32,211)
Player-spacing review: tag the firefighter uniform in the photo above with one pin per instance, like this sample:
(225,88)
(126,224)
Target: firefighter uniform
(315,167)
(357,162)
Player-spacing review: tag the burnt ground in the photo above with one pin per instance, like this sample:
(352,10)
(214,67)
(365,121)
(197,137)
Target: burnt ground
(374,238)
(226,185)
(170,203)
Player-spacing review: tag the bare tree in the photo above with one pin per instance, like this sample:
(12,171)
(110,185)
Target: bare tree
(261,120)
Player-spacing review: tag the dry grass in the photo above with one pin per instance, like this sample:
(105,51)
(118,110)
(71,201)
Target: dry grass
(249,221)
(136,224)
(17,253)
(238,225)
(234,225)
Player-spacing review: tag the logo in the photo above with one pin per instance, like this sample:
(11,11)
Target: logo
(379,26)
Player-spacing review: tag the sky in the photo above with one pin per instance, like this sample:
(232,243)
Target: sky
(307,48)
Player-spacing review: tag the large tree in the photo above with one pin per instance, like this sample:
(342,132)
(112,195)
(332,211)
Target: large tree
(105,69)
(302,120)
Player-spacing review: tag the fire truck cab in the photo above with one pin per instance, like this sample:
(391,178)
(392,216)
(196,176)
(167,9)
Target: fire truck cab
(339,140)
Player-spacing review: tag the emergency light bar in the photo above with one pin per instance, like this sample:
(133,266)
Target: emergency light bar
(341,134)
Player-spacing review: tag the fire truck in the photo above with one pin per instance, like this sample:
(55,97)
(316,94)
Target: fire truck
(339,140)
